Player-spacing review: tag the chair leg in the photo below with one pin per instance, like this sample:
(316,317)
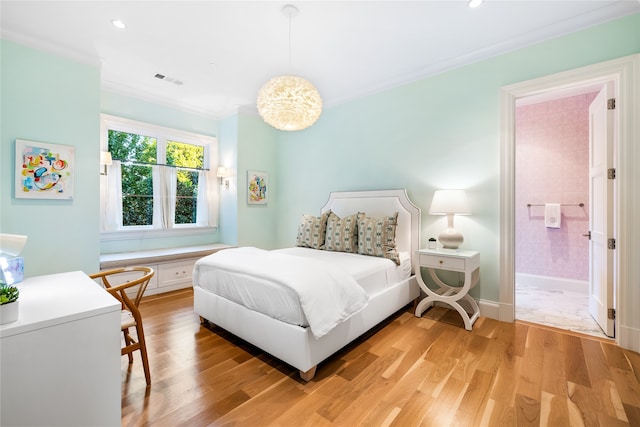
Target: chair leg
(143,353)
(127,343)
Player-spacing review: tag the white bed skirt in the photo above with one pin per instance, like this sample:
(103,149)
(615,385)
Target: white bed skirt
(293,344)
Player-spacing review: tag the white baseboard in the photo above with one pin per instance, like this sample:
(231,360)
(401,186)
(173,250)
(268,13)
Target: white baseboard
(552,283)
(490,309)
(629,338)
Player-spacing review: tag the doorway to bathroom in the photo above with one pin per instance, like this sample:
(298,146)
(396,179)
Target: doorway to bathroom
(554,210)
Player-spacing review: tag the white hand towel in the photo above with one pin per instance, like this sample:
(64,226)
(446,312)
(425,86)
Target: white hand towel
(552,215)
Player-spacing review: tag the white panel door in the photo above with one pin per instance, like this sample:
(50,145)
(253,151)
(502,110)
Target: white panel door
(601,210)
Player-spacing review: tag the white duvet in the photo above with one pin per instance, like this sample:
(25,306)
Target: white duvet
(327,294)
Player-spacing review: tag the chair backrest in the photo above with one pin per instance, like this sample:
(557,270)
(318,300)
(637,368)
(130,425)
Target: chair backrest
(118,280)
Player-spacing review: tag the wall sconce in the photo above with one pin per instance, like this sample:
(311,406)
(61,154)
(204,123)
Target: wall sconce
(105,160)
(221,173)
(450,203)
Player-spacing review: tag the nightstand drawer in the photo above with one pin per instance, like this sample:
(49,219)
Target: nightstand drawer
(447,263)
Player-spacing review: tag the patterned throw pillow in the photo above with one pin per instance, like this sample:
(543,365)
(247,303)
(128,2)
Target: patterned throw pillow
(342,233)
(312,230)
(377,237)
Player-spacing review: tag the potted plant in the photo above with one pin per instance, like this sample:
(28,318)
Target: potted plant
(8,303)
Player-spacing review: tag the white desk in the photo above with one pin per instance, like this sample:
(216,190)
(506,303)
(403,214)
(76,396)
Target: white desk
(467,262)
(60,361)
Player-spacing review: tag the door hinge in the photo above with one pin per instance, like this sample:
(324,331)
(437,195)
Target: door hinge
(611,173)
(611,104)
(611,313)
(611,243)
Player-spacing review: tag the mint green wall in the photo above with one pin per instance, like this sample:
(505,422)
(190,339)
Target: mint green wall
(136,109)
(435,133)
(256,151)
(47,98)
(440,132)
(228,143)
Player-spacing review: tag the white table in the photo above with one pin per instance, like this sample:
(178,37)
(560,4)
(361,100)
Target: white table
(467,262)
(60,361)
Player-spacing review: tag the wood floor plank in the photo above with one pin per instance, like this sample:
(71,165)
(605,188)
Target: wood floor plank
(475,399)
(627,387)
(596,361)
(409,371)
(507,380)
(528,411)
(448,401)
(414,410)
(521,333)
(438,375)
(553,410)
(347,400)
(586,402)
(616,356)
(554,378)
(633,414)
(399,393)
(498,414)
(576,366)
(529,382)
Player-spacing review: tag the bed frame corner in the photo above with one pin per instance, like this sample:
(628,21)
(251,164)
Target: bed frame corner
(308,376)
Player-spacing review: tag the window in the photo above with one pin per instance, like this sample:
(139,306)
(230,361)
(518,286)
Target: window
(159,179)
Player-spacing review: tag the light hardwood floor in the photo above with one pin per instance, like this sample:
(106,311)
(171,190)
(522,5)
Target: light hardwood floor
(410,371)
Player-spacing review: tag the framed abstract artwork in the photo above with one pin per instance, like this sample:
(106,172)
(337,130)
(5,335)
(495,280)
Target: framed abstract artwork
(257,188)
(44,171)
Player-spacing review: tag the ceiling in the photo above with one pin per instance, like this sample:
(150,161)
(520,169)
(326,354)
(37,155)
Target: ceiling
(224,51)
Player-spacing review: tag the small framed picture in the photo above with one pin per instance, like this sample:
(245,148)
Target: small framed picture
(257,188)
(44,171)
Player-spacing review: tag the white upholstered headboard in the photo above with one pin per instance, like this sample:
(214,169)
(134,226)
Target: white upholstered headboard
(378,203)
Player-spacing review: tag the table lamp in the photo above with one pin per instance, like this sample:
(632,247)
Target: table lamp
(450,203)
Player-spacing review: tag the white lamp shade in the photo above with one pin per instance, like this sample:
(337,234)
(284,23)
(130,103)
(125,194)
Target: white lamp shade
(221,172)
(12,244)
(449,202)
(105,158)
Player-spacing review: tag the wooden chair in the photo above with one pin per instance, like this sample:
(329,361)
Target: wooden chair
(117,282)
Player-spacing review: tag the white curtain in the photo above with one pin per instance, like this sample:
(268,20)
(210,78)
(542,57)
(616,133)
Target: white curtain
(208,195)
(111,202)
(164,184)
(167,206)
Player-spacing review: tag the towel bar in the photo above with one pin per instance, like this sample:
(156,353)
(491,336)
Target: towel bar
(578,204)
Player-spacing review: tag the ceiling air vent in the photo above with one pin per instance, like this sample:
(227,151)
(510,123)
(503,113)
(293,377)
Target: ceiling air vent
(168,79)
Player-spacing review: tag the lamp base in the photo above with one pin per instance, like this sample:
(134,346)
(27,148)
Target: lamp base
(451,238)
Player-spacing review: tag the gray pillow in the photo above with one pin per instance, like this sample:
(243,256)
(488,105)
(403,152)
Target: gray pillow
(342,233)
(377,237)
(312,230)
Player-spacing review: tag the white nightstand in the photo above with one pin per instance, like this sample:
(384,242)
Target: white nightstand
(467,262)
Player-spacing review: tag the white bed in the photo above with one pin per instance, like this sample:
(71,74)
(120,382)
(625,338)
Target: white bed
(289,337)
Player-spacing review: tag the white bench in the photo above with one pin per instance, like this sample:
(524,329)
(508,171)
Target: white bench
(173,266)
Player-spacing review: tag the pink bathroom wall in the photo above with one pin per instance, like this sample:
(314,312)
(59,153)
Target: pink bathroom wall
(552,158)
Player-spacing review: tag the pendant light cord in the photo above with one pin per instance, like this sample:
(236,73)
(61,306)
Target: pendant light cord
(289,42)
(290,11)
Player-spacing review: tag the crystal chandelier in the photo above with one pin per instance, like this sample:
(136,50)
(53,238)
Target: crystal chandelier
(289,102)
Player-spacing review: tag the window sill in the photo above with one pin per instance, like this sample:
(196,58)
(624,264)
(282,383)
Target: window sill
(146,233)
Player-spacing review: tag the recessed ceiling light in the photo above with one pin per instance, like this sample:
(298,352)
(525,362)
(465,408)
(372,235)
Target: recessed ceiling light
(474,3)
(118,24)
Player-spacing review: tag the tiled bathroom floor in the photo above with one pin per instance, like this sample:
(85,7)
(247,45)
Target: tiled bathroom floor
(560,309)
